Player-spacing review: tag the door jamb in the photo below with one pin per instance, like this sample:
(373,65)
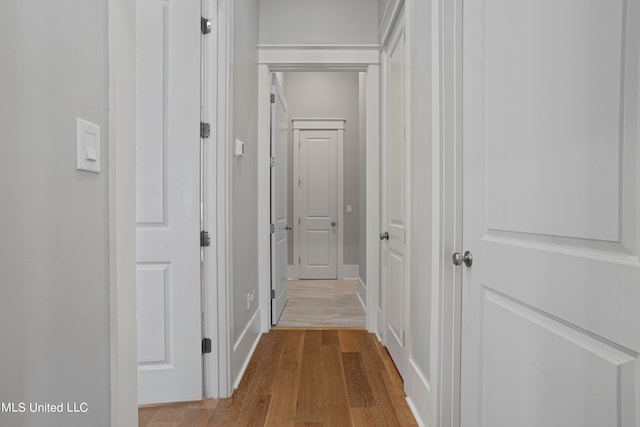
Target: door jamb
(361,58)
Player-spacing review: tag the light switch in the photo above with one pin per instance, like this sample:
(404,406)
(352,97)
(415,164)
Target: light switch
(87,146)
(349,209)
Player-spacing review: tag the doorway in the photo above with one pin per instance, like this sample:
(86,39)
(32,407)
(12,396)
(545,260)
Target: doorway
(274,60)
(322,191)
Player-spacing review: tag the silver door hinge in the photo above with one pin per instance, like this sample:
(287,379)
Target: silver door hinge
(205,25)
(206,345)
(273,294)
(205,130)
(273,162)
(204,239)
(273,228)
(273,98)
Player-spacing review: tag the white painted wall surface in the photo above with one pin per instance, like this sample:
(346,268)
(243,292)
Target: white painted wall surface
(244,191)
(318,22)
(54,266)
(330,95)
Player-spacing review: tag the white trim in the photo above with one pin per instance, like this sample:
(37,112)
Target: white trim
(244,345)
(362,293)
(122,211)
(373,198)
(450,279)
(339,59)
(210,292)
(292,272)
(223,184)
(350,272)
(388,21)
(318,124)
(303,56)
(412,406)
(264,196)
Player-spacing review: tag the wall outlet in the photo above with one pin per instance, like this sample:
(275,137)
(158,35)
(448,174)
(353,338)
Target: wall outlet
(249,300)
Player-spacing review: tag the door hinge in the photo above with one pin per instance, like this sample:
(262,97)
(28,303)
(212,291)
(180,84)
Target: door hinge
(205,130)
(206,345)
(204,239)
(273,98)
(299,260)
(273,162)
(273,294)
(273,228)
(205,25)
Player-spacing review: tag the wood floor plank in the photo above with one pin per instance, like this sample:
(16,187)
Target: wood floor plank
(312,390)
(330,337)
(255,411)
(337,400)
(358,388)
(282,410)
(349,340)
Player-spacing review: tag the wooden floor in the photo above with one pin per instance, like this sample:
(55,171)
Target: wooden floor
(331,378)
(324,303)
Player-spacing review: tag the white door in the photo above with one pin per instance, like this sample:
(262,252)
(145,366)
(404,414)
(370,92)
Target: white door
(168,165)
(279,252)
(551,303)
(395,198)
(318,203)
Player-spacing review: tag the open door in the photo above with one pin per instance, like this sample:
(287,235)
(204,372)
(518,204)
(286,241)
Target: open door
(550,262)
(279,220)
(395,199)
(168,201)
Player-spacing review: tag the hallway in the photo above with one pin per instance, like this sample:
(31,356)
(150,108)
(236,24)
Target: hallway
(313,377)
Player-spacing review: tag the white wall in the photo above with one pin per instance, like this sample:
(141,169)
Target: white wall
(330,95)
(54,267)
(318,22)
(244,191)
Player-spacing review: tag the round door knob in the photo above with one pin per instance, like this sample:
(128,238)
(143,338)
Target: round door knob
(333,223)
(384,236)
(288,228)
(459,258)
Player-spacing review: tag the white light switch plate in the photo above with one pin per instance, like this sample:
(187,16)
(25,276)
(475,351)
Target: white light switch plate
(87,146)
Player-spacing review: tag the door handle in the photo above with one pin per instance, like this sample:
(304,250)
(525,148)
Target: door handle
(333,223)
(458,258)
(288,228)
(384,236)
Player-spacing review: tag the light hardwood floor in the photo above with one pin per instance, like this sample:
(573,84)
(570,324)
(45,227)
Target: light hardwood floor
(296,377)
(323,303)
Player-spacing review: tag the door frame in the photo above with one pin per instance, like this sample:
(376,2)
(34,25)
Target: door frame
(358,58)
(122,208)
(327,124)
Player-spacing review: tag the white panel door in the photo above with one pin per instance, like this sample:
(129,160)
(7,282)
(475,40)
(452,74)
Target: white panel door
(318,204)
(168,165)
(279,219)
(551,303)
(395,198)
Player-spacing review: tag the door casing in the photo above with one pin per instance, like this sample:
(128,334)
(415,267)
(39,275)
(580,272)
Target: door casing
(360,58)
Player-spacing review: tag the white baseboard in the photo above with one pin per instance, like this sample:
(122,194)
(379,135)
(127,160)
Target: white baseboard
(415,413)
(245,346)
(362,293)
(350,271)
(292,272)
